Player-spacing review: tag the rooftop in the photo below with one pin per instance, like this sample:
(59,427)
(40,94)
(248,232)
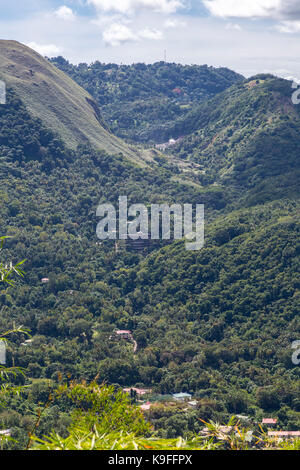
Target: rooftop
(269,421)
(182,395)
(139,391)
(123,332)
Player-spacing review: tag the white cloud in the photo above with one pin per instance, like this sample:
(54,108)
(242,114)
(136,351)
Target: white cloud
(116,16)
(243,8)
(65,13)
(287,12)
(131,6)
(117,34)
(174,23)
(275,9)
(233,27)
(49,50)
(289,27)
(152,34)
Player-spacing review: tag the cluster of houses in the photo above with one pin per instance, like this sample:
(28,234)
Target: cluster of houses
(186,398)
(141,392)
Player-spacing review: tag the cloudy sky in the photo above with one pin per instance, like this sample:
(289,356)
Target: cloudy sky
(249,36)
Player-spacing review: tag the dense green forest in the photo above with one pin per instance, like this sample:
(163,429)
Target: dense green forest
(49,199)
(139,101)
(218,323)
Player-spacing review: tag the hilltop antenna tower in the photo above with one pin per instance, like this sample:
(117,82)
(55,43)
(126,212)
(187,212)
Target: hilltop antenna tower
(165,55)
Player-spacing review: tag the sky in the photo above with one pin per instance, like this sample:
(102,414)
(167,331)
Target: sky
(248,36)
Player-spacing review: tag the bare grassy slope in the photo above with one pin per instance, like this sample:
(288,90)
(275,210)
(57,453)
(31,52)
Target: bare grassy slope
(58,101)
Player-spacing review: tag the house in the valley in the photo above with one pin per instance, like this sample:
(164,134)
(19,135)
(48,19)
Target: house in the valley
(269,422)
(125,334)
(138,391)
(182,396)
(193,404)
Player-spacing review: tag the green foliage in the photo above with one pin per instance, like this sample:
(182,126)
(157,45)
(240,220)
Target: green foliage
(7,373)
(245,139)
(7,269)
(139,101)
(105,420)
(218,323)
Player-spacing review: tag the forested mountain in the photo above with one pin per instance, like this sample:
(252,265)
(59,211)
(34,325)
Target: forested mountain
(139,101)
(248,138)
(232,131)
(218,323)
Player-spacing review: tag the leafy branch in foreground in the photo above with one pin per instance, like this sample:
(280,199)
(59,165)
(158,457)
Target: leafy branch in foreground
(7,269)
(7,373)
(104,419)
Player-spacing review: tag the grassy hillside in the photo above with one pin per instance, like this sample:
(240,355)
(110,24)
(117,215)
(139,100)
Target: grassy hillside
(139,101)
(58,101)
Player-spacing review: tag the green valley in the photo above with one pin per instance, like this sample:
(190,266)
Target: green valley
(217,324)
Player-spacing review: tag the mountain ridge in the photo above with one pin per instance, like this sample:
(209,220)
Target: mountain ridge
(246,138)
(139,100)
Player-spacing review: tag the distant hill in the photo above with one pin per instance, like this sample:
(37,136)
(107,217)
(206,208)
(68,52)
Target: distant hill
(138,101)
(58,101)
(247,140)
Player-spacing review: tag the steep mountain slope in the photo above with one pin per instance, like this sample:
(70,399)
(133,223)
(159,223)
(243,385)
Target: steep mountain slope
(58,101)
(246,140)
(139,101)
